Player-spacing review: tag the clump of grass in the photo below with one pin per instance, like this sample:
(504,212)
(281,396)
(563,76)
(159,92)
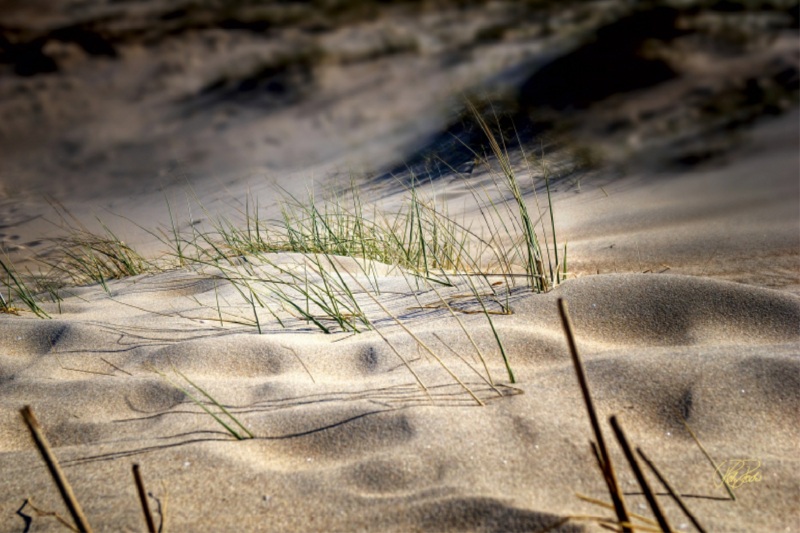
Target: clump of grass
(419,237)
(78,257)
(16,284)
(85,257)
(533,254)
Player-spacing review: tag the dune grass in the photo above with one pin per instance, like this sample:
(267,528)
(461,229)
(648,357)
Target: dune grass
(16,285)
(419,237)
(84,257)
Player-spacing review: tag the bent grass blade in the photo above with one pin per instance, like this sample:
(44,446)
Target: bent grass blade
(199,403)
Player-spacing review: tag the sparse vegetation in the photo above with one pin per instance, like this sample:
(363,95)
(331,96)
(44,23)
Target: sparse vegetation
(421,238)
(215,416)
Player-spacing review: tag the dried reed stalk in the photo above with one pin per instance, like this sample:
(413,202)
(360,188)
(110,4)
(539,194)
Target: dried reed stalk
(710,460)
(637,471)
(148,516)
(55,470)
(605,460)
(672,492)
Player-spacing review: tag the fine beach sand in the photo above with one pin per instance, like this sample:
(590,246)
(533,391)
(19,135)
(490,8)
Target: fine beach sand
(347,440)
(670,133)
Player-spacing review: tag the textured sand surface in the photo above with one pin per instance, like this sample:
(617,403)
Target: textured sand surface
(684,262)
(363,447)
(347,440)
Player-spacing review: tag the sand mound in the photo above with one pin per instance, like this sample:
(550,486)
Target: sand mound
(664,310)
(347,440)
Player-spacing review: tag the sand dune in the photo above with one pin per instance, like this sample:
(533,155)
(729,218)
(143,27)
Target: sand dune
(669,134)
(346,439)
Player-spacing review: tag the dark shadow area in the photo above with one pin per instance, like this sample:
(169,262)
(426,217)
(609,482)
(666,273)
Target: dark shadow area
(198,83)
(91,42)
(27,58)
(463,146)
(481,514)
(613,63)
(281,84)
(609,64)
(644,51)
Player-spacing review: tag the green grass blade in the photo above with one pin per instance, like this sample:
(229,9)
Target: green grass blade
(198,402)
(215,402)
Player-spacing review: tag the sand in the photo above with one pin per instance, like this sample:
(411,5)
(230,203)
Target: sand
(347,440)
(683,285)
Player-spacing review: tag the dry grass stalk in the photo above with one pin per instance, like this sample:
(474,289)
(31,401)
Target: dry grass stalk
(466,332)
(148,516)
(672,492)
(633,527)
(417,339)
(200,404)
(294,352)
(55,470)
(464,360)
(613,487)
(213,400)
(602,451)
(426,348)
(611,507)
(61,364)
(76,369)
(112,365)
(558,523)
(708,456)
(406,363)
(54,514)
(637,471)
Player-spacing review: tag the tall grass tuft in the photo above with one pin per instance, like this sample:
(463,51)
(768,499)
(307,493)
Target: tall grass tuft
(15,284)
(84,257)
(419,236)
(533,257)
